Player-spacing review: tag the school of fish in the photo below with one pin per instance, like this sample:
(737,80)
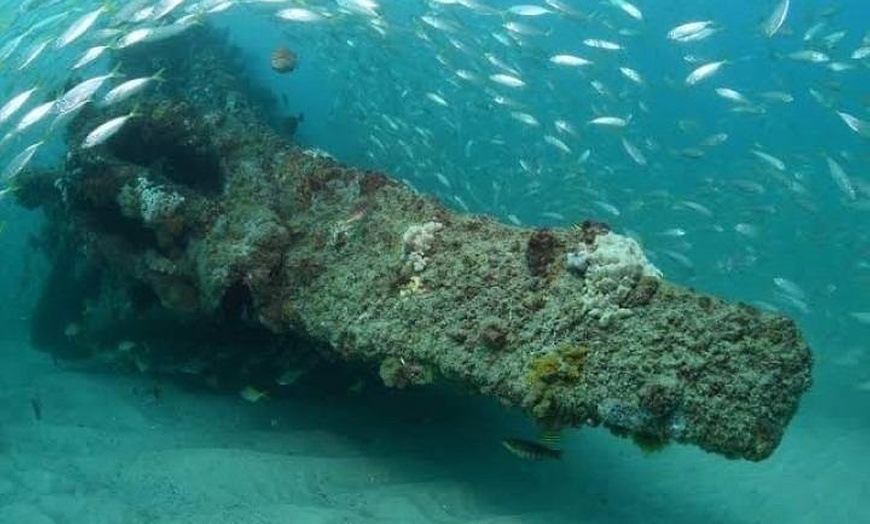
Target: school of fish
(625,111)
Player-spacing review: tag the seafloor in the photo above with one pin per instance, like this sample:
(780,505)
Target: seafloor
(107,451)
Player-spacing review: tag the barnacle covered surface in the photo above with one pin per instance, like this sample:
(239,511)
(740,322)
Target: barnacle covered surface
(199,213)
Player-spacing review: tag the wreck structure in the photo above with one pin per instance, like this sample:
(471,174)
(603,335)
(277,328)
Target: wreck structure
(200,213)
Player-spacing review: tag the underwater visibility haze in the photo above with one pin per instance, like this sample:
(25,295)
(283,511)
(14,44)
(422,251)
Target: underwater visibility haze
(434,261)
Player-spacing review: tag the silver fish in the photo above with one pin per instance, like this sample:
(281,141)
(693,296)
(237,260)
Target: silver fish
(105,131)
(839,176)
(129,88)
(14,104)
(776,19)
(78,28)
(21,159)
(689,31)
(703,72)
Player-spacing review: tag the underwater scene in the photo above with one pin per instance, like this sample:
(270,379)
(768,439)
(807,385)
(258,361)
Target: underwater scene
(434,261)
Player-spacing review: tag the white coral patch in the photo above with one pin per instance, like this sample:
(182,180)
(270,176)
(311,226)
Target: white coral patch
(615,265)
(147,201)
(417,241)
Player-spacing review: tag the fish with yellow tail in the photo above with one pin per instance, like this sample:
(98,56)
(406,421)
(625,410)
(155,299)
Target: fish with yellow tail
(531,450)
(106,130)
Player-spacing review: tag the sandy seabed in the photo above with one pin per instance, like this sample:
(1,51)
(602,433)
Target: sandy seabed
(107,451)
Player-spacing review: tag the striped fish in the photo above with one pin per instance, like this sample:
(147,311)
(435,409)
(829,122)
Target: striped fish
(531,450)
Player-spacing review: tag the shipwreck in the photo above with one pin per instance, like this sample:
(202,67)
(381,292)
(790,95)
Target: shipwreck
(201,218)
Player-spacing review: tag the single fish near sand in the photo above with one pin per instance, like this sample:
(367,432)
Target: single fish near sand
(252,394)
(531,450)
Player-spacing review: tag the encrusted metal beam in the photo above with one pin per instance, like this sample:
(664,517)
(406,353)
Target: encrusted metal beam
(201,202)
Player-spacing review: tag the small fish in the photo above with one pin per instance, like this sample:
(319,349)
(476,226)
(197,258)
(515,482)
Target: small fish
(714,140)
(21,159)
(438,99)
(769,159)
(732,95)
(35,115)
(563,126)
(634,152)
(439,24)
(507,80)
(106,130)
(608,121)
(299,14)
(703,72)
(840,178)
(776,19)
(518,28)
(36,407)
(558,144)
(525,118)
(790,288)
(156,392)
(814,30)
(252,394)
(748,230)
(129,88)
(528,10)
(675,232)
(628,8)
(79,27)
(530,450)
(14,104)
(607,207)
(855,124)
(839,67)
(778,96)
(550,436)
(163,8)
(89,56)
(691,152)
(465,74)
(364,7)
(809,55)
(140,34)
(598,43)
(569,60)
(33,54)
(289,377)
(699,208)
(81,93)
(691,31)
(632,75)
